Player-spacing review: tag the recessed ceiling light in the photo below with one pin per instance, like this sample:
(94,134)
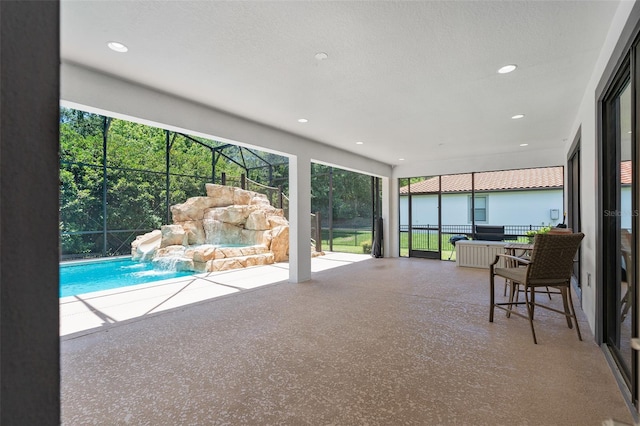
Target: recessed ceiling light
(517,116)
(359,143)
(507,69)
(321,56)
(400,159)
(302,120)
(524,144)
(117,47)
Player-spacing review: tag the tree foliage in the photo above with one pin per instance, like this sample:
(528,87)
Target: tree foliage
(349,192)
(134,173)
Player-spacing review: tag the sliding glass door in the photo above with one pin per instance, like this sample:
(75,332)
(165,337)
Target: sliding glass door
(619,285)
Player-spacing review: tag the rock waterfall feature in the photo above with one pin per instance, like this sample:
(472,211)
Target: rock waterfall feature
(229,228)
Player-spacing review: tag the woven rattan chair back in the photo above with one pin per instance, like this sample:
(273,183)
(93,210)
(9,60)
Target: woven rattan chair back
(552,257)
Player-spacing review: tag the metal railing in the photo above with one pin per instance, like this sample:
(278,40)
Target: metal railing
(274,194)
(425,237)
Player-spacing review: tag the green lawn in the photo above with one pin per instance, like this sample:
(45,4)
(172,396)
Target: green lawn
(348,240)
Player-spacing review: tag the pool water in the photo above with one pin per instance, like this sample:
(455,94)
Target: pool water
(85,277)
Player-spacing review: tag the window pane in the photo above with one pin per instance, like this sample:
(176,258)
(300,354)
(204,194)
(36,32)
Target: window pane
(481,215)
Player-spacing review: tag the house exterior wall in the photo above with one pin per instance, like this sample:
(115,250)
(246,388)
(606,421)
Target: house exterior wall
(626,212)
(503,208)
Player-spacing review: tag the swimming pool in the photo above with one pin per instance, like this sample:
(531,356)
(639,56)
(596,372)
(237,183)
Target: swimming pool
(85,277)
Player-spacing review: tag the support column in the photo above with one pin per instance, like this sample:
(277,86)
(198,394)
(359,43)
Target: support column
(299,219)
(391,224)
(29,191)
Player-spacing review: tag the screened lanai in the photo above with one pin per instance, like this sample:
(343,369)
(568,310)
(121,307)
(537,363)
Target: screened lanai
(568,97)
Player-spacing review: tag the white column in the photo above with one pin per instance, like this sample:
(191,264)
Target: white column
(390,201)
(299,218)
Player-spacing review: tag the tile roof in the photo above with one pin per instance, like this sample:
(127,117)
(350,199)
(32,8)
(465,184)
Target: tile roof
(544,177)
(625,172)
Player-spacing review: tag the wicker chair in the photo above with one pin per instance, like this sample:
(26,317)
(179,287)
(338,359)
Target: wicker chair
(550,265)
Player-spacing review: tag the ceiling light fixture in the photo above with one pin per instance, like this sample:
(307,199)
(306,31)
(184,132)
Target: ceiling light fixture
(359,143)
(524,144)
(507,69)
(302,120)
(321,56)
(517,117)
(400,159)
(117,47)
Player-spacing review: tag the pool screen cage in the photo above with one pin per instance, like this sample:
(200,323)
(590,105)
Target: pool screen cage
(122,186)
(348,205)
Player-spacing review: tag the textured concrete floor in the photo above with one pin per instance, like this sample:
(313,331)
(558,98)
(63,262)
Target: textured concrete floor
(378,342)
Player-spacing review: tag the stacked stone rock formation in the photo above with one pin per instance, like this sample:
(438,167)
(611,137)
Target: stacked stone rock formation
(228,228)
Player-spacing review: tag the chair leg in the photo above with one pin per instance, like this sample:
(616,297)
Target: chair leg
(565,303)
(512,293)
(573,312)
(530,309)
(533,301)
(625,304)
(492,297)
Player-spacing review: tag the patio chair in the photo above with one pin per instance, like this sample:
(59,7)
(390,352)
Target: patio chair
(550,265)
(515,288)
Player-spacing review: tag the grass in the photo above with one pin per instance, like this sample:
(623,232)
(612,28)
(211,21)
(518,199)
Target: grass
(348,240)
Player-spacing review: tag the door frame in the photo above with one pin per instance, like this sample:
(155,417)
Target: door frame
(608,262)
(427,254)
(574,214)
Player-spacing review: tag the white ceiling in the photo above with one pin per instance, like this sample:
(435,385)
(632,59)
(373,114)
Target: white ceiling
(413,80)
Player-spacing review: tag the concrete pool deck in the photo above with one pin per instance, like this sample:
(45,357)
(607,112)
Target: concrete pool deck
(87,313)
